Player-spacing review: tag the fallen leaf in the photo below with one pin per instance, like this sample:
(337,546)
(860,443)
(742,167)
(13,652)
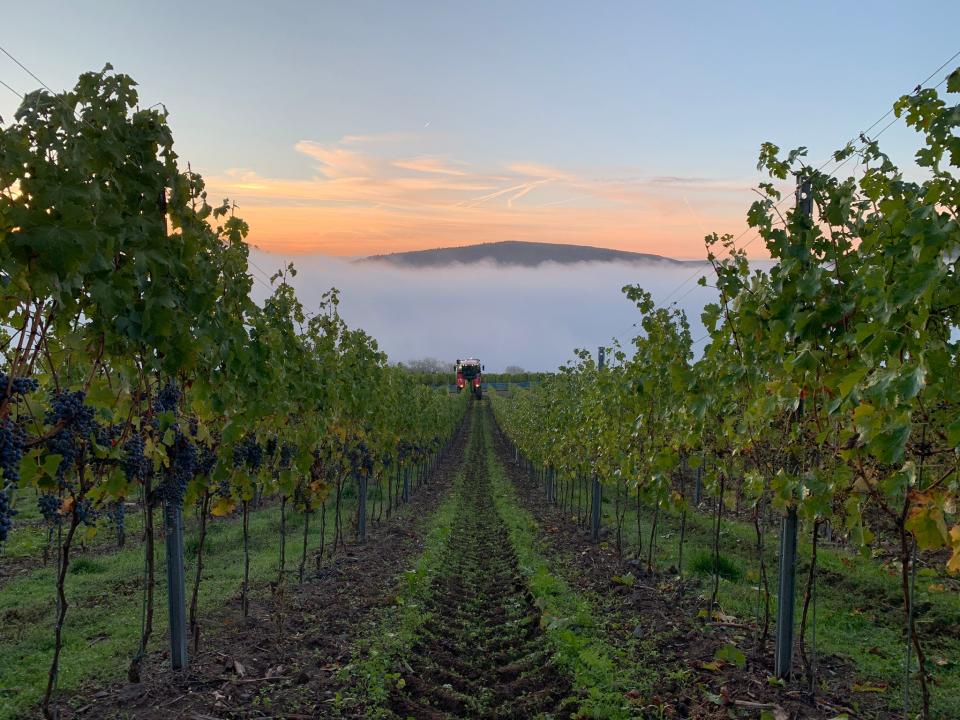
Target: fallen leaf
(732,654)
(715,699)
(776,713)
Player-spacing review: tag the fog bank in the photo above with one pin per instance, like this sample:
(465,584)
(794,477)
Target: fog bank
(532,317)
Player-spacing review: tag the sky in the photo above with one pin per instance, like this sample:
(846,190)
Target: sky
(356,128)
(369,127)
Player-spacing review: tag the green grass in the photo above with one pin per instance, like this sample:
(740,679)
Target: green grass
(30,535)
(103,621)
(704,563)
(859,606)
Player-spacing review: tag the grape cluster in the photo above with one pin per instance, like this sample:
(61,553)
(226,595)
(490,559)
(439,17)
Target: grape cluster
(12,439)
(49,506)
(67,409)
(183,458)
(418,452)
(20,386)
(107,435)
(404,450)
(361,459)
(167,398)
(86,514)
(248,453)
(135,465)
(286,455)
(6,514)
(206,461)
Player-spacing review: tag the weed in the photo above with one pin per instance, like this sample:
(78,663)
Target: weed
(707,564)
(85,566)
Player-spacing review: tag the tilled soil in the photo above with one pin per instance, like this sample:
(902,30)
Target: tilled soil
(247,668)
(481,653)
(657,619)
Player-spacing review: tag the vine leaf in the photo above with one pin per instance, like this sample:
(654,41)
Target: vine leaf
(733,655)
(953,564)
(926,521)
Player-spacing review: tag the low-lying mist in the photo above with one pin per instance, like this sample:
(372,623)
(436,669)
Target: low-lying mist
(531,317)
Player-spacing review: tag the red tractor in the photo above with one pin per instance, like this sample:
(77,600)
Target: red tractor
(470,373)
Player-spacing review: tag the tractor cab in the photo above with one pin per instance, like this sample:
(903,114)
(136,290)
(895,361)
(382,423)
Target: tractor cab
(470,374)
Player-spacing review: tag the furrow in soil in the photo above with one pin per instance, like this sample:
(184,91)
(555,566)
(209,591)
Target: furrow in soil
(481,653)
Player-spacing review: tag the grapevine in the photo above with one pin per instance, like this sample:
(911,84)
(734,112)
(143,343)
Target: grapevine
(117,388)
(828,384)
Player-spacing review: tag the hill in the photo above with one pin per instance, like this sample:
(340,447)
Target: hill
(516,253)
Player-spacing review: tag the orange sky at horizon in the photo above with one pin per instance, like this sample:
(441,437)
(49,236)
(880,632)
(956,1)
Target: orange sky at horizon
(364,197)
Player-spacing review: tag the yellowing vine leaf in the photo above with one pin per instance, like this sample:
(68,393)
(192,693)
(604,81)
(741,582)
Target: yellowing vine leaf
(223,507)
(953,564)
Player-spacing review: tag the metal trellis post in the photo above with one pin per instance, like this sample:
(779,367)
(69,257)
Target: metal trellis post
(786,592)
(362,510)
(176,597)
(786,598)
(597,491)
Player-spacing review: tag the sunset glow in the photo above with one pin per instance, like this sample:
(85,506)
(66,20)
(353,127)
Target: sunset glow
(359,128)
(366,196)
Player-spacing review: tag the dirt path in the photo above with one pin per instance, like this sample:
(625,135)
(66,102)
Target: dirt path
(482,653)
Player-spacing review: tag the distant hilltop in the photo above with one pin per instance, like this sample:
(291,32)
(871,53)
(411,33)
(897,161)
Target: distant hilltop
(516,253)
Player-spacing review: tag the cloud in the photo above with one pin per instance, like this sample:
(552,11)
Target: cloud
(526,189)
(671,179)
(364,197)
(428,164)
(337,162)
(514,192)
(533,317)
(536,170)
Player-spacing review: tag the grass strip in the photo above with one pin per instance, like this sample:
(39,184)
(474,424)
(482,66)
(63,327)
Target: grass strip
(601,677)
(103,622)
(859,606)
